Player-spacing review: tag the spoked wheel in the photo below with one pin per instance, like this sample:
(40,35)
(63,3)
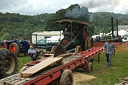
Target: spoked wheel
(78,49)
(66,78)
(90,43)
(15,48)
(8,63)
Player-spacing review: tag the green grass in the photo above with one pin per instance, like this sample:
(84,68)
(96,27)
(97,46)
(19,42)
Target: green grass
(23,60)
(105,75)
(109,75)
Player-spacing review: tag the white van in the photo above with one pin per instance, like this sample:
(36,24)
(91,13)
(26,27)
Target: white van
(125,38)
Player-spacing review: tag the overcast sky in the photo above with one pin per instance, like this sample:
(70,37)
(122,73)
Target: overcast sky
(33,7)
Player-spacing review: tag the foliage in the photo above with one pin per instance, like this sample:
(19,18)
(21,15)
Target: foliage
(17,25)
(24,25)
(102,21)
(5,36)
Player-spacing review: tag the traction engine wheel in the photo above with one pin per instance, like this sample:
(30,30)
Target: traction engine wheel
(66,78)
(8,63)
(15,48)
(90,43)
(78,49)
(84,34)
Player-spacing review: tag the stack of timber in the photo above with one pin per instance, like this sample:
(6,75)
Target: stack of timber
(48,63)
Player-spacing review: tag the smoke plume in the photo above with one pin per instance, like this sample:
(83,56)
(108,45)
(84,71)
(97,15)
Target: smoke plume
(101,5)
(79,13)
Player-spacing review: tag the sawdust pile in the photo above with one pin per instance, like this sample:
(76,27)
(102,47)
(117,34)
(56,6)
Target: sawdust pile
(80,77)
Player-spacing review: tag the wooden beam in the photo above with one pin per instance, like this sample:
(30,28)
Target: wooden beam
(64,55)
(50,62)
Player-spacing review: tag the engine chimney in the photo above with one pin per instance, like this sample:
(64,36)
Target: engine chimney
(117,26)
(112,26)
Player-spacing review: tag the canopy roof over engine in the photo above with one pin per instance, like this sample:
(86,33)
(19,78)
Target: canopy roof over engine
(62,21)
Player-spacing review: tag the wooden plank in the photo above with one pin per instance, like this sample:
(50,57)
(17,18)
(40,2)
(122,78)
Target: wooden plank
(64,55)
(50,62)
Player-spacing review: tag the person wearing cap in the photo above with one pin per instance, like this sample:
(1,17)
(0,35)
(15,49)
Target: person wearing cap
(32,53)
(109,48)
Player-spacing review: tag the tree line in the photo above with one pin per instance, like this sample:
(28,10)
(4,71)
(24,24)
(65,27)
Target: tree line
(16,25)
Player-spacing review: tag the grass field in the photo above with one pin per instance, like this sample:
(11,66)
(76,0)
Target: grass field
(104,75)
(110,75)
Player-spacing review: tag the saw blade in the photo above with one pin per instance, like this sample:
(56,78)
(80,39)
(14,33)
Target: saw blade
(59,50)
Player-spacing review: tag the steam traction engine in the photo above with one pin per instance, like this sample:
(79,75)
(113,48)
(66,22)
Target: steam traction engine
(75,35)
(75,39)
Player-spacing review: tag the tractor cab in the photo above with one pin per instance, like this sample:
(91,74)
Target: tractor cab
(75,34)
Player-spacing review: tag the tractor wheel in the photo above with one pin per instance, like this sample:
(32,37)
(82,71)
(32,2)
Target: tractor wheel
(78,49)
(90,43)
(89,67)
(8,63)
(66,78)
(15,48)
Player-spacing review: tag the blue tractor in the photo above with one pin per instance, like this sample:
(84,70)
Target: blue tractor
(18,46)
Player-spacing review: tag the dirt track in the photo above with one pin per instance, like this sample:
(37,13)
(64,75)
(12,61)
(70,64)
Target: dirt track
(81,77)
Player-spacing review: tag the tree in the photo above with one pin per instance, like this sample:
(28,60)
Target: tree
(5,36)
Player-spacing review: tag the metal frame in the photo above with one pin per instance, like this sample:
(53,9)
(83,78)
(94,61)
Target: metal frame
(56,73)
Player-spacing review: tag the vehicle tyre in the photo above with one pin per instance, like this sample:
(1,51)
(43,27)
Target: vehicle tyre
(78,49)
(8,63)
(90,42)
(66,78)
(15,48)
(89,67)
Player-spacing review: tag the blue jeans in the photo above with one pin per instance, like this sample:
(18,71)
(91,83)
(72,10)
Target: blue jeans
(109,58)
